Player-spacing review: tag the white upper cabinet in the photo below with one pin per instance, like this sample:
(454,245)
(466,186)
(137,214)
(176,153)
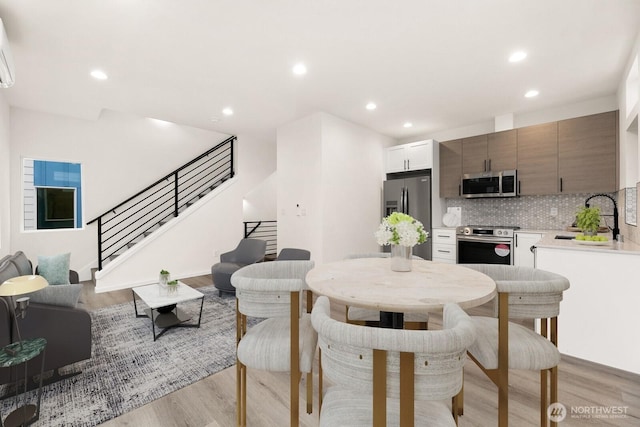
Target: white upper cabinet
(410,157)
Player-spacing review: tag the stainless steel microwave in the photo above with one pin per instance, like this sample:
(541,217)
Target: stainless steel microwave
(490,184)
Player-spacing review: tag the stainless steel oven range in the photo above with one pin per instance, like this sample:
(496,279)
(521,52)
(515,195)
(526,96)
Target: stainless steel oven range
(485,244)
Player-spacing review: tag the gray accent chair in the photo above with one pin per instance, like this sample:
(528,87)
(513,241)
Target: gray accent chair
(248,251)
(52,314)
(523,293)
(285,340)
(362,316)
(367,375)
(293,254)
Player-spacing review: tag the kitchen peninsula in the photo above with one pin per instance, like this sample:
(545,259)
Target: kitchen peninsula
(601,308)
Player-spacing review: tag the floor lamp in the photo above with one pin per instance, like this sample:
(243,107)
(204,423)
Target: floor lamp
(17,286)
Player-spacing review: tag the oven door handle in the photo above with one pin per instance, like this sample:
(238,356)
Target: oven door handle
(485,239)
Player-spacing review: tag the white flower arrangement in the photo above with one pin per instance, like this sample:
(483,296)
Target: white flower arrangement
(401,229)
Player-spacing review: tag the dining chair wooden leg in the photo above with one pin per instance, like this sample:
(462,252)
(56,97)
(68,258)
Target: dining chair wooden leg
(241,379)
(455,407)
(554,370)
(320,383)
(407,392)
(554,389)
(544,401)
(294,374)
(309,392)
(379,400)
(503,359)
(241,393)
(544,376)
(460,400)
(309,304)
(309,301)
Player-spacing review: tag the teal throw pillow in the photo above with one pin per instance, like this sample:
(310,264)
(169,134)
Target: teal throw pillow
(55,268)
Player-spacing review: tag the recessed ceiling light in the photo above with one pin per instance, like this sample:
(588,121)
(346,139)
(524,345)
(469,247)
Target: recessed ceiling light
(227,111)
(299,69)
(371,106)
(517,56)
(531,94)
(99,75)
(408,124)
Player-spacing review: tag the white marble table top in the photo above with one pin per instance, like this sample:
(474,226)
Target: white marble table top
(370,283)
(154,298)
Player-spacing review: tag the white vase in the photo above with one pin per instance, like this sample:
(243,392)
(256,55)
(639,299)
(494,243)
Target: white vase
(164,279)
(401,258)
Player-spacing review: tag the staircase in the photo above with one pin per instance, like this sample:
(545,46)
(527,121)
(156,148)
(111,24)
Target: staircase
(134,219)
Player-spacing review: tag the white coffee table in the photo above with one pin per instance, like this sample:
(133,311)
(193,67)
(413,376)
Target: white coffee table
(156,299)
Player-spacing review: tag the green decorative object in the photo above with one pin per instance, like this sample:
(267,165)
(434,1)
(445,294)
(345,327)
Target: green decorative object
(172,287)
(588,220)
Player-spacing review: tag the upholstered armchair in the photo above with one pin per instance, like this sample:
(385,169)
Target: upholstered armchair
(53,314)
(284,341)
(248,251)
(384,377)
(293,254)
(523,293)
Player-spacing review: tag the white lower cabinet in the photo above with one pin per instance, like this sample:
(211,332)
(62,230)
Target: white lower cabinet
(444,245)
(522,254)
(599,312)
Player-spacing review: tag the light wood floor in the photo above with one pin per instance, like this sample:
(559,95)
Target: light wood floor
(211,401)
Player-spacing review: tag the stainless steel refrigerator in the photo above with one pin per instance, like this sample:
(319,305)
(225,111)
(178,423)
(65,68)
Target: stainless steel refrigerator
(410,195)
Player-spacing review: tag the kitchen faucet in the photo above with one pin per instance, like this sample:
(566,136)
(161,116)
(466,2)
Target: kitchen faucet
(616,230)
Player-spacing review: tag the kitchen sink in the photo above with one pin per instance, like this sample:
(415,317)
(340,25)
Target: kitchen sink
(561,237)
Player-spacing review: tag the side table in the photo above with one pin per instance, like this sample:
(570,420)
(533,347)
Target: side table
(20,353)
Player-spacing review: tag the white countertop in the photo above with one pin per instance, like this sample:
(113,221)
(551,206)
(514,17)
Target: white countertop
(549,241)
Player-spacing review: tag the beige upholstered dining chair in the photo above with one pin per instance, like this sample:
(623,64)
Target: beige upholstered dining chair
(523,293)
(285,340)
(362,316)
(369,386)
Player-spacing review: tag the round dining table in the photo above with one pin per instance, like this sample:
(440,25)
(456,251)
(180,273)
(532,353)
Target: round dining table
(370,283)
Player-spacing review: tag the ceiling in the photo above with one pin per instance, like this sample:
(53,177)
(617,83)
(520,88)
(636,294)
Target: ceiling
(439,64)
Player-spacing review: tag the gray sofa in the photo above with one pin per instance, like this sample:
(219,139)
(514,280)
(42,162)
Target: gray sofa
(52,314)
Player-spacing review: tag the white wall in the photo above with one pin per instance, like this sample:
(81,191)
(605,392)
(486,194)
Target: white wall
(260,203)
(300,168)
(629,140)
(5,164)
(353,173)
(121,154)
(330,175)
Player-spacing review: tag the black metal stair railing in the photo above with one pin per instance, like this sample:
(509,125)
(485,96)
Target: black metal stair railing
(129,222)
(265,230)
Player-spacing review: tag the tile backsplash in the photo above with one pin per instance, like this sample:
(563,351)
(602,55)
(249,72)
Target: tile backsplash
(532,212)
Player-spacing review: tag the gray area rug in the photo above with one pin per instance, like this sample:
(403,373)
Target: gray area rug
(128,369)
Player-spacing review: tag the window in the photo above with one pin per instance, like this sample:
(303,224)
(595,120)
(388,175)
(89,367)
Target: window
(52,195)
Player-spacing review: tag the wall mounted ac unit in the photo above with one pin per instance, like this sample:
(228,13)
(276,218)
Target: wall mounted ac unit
(7,72)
